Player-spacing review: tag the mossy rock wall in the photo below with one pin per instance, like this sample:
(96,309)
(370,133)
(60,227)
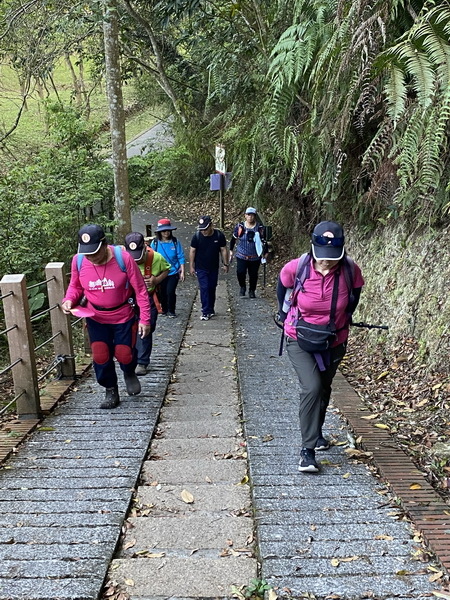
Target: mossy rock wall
(407,287)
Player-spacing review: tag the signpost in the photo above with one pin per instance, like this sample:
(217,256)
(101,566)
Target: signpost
(221,169)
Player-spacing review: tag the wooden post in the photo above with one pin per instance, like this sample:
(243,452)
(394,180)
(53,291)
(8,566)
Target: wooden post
(62,344)
(21,345)
(222,201)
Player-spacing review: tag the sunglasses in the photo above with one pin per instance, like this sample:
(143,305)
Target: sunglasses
(323,240)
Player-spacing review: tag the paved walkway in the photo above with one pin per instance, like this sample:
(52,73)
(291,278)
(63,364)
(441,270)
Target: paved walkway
(179,488)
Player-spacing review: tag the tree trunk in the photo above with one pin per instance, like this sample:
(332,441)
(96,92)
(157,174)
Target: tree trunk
(76,87)
(82,84)
(116,118)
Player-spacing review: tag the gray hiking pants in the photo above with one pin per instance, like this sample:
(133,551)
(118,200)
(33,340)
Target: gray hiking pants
(315,388)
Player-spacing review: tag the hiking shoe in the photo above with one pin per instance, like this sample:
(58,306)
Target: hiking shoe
(252,294)
(322,444)
(212,314)
(204,318)
(171,315)
(141,370)
(132,384)
(163,314)
(307,462)
(111,398)
(242,291)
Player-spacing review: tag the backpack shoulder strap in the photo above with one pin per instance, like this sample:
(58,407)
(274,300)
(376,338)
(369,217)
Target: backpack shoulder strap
(349,272)
(241,230)
(119,257)
(303,271)
(79,261)
(149,254)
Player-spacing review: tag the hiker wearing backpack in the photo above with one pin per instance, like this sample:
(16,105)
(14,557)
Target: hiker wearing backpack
(207,245)
(107,278)
(154,268)
(167,244)
(317,294)
(251,248)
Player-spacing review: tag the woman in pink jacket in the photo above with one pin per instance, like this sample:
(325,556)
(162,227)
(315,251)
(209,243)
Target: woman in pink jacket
(109,278)
(326,286)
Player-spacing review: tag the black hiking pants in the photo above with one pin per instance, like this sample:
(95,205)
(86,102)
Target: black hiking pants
(315,388)
(247,266)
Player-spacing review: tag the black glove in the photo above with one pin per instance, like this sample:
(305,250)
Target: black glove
(281,316)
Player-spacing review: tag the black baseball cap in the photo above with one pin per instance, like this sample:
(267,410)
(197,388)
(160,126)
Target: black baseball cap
(135,245)
(90,238)
(327,241)
(204,223)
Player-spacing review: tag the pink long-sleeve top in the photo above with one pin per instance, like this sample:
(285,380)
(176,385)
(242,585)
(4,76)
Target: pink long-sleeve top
(106,286)
(314,304)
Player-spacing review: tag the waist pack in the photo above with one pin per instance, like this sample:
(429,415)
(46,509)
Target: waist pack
(315,338)
(318,338)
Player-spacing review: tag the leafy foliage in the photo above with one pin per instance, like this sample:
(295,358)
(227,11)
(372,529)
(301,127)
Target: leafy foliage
(329,105)
(43,203)
(173,171)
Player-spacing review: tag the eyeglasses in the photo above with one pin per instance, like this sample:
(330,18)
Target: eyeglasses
(323,240)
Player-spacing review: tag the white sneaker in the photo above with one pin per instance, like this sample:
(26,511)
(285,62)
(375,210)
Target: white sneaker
(204,318)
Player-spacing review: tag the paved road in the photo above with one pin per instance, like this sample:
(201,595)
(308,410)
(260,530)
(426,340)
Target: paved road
(157,137)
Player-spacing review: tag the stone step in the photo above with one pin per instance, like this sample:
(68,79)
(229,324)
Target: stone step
(210,498)
(194,471)
(189,532)
(168,577)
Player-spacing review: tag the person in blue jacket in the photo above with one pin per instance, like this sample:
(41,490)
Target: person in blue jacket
(166,244)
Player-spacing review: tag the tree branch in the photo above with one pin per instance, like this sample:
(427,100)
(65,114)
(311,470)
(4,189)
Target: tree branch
(19,114)
(164,80)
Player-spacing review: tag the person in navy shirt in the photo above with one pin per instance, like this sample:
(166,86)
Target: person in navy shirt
(207,246)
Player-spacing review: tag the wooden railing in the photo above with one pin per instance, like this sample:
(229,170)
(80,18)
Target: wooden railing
(19,332)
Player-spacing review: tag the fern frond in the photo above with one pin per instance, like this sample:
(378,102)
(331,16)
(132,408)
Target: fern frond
(419,67)
(395,91)
(291,153)
(409,149)
(437,49)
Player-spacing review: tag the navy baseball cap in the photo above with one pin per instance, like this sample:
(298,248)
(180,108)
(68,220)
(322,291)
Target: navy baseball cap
(135,245)
(204,223)
(90,238)
(327,241)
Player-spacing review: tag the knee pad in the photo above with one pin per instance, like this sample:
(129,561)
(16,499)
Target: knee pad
(100,352)
(124,354)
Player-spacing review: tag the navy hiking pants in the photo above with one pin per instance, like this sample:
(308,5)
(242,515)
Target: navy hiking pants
(109,341)
(207,282)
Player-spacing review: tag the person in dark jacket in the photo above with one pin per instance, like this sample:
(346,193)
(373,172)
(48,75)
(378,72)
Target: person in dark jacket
(251,248)
(207,246)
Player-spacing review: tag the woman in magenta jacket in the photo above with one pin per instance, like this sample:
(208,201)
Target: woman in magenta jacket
(329,270)
(112,327)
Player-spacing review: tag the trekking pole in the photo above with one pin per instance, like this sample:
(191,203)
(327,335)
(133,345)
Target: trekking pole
(368,326)
(264,272)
